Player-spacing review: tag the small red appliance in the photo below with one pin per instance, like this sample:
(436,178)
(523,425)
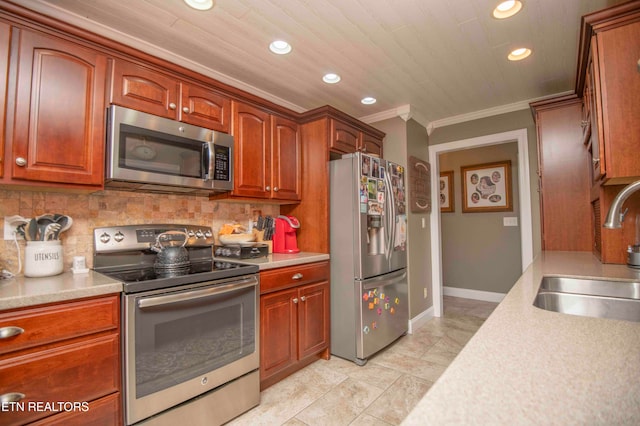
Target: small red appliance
(284,238)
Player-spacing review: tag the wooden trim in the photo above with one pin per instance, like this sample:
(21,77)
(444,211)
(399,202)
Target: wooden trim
(328,111)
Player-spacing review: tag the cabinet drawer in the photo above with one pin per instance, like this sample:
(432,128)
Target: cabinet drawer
(78,372)
(276,279)
(104,411)
(48,324)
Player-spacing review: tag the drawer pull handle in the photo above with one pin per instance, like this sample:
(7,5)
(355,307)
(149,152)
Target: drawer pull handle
(10,397)
(6,332)
(297,276)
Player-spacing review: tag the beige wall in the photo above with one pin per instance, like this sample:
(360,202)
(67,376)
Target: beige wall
(404,139)
(522,119)
(478,251)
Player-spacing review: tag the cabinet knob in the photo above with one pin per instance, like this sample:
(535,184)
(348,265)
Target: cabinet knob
(297,276)
(7,398)
(268,188)
(295,300)
(584,124)
(303,298)
(275,189)
(10,331)
(172,106)
(185,110)
(20,161)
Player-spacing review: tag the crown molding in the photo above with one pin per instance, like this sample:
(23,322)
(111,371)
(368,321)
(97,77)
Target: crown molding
(405,112)
(489,112)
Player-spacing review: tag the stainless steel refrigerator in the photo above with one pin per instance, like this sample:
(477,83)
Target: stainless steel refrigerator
(369,288)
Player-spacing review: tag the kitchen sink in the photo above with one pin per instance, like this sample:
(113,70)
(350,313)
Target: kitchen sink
(589,297)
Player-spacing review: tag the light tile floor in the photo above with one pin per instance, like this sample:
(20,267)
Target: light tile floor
(382,392)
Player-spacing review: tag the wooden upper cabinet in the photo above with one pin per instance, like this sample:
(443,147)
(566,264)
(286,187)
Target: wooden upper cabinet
(617,55)
(371,145)
(286,172)
(144,89)
(344,138)
(252,157)
(59,111)
(5,34)
(609,80)
(205,108)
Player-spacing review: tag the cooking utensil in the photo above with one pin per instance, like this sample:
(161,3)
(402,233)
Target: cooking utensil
(51,231)
(62,221)
(32,230)
(43,221)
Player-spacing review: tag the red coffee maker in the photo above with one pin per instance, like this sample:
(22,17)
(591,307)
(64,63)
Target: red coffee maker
(284,238)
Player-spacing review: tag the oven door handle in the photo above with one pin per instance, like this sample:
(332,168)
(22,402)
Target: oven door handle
(197,294)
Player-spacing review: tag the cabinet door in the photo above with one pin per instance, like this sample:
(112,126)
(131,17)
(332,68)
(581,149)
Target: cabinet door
(313,319)
(5,30)
(278,332)
(618,52)
(286,159)
(344,138)
(202,107)
(370,145)
(59,122)
(143,89)
(252,157)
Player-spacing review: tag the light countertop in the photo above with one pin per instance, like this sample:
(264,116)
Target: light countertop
(529,366)
(280,260)
(22,291)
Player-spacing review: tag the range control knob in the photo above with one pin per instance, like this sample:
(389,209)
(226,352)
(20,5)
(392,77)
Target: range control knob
(199,234)
(191,234)
(208,234)
(119,236)
(105,238)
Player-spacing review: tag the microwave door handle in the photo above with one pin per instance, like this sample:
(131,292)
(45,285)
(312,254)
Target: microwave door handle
(209,159)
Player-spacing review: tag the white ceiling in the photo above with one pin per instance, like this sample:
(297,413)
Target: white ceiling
(443,58)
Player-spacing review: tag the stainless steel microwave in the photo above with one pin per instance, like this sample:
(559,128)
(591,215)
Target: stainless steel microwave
(148,153)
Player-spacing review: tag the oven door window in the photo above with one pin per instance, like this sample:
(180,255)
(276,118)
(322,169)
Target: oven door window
(189,334)
(155,152)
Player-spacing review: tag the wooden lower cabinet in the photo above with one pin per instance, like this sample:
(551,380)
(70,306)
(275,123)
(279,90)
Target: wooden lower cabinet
(64,367)
(294,320)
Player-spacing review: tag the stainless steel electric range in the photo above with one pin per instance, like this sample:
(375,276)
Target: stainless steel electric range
(190,331)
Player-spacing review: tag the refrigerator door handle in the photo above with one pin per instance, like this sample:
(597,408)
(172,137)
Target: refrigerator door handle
(391,215)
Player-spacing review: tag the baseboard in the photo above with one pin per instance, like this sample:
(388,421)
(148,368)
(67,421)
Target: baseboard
(466,293)
(421,319)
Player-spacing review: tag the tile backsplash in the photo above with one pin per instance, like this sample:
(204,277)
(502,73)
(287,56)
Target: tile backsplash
(108,208)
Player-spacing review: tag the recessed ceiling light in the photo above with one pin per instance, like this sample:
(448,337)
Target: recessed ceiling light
(519,54)
(368,100)
(331,78)
(200,4)
(280,47)
(507,9)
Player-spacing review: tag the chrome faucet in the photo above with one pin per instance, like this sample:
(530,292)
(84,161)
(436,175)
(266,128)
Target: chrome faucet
(615,217)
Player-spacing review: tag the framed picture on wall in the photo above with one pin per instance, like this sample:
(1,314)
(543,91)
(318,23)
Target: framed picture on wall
(446,192)
(486,187)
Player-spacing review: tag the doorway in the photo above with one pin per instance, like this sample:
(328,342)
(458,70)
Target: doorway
(526,227)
